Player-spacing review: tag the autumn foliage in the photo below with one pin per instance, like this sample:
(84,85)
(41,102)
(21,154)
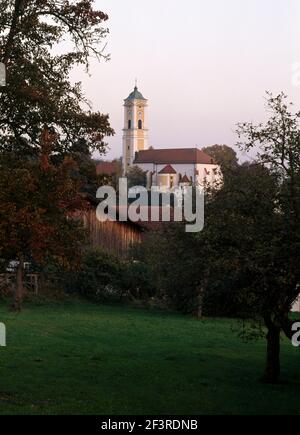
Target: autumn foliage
(46,121)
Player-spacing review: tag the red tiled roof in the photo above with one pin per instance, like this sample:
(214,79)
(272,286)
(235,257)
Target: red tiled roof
(106,168)
(168,170)
(185,179)
(173,156)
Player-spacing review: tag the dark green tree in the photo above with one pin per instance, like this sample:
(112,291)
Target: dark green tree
(175,263)
(136,177)
(276,255)
(224,155)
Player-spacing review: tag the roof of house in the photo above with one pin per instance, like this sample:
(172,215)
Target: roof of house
(185,179)
(106,168)
(167,170)
(173,156)
(135,95)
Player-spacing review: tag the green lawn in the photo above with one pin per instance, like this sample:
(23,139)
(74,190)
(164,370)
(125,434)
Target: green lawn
(79,358)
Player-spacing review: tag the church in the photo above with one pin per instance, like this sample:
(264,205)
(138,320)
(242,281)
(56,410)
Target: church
(165,168)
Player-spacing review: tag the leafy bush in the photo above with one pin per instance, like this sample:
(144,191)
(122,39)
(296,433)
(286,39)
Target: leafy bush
(136,280)
(103,277)
(99,276)
(220,299)
(177,264)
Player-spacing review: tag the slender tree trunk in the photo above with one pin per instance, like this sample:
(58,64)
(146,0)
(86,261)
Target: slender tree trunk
(200,306)
(272,372)
(19,288)
(199,310)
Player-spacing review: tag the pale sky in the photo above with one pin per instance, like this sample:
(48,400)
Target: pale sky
(204,65)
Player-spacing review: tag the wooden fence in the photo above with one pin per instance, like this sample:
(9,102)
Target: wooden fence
(113,237)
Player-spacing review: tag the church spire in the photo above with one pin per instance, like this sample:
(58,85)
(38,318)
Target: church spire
(136,94)
(135,137)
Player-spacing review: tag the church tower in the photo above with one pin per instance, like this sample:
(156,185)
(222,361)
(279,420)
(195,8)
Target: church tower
(135,137)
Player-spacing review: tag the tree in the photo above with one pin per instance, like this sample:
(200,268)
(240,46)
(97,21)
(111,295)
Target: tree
(251,243)
(46,124)
(278,144)
(256,239)
(39,91)
(175,263)
(136,177)
(38,204)
(243,239)
(224,155)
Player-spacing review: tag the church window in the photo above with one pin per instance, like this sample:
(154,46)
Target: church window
(129,124)
(140,124)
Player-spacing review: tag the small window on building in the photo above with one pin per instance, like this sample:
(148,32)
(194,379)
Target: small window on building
(140,124)
(129,124)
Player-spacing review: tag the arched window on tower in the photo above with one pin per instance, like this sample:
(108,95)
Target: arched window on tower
(129,124)
(140,124)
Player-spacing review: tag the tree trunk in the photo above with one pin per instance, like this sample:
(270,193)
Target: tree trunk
(19,288)
(272,371)
(199,310)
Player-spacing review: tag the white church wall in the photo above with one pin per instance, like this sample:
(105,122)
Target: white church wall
(180,169)
(296,306)
(185,169)
(210,173)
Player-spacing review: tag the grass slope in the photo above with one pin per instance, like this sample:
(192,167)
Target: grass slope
(79,358)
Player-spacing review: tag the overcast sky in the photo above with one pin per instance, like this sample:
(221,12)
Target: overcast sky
(204,65)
